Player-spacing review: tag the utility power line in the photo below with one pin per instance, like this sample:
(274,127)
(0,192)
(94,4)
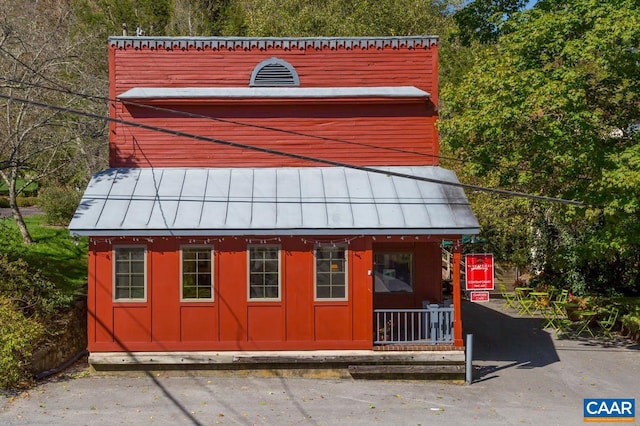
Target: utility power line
(288,154)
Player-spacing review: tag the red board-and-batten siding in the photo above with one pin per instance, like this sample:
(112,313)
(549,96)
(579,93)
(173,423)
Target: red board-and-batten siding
(407,125)
(230,321)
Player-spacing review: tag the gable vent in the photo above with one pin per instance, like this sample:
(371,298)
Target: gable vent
(274,72)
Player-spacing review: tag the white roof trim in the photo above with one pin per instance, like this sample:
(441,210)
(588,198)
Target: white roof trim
(151,93)
(272,201)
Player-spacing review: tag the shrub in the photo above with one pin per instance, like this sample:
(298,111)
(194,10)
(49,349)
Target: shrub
(59,204)
(631,323)
(4,203)
(27,201)
(30,293)
(18,336)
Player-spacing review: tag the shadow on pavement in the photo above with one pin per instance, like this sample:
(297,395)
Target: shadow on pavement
(508,341)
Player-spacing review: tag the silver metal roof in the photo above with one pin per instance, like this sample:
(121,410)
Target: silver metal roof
(272,201)
(272,92)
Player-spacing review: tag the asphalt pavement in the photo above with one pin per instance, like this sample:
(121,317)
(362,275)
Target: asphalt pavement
(523,375)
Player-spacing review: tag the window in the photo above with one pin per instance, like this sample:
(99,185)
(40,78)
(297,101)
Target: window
(331,272)
(264,272)
(130,273)
(393,272)
(274,72)
(197,273)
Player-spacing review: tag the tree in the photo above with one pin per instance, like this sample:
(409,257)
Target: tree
(483,20)
(346,17)
(550,110)
(40,53)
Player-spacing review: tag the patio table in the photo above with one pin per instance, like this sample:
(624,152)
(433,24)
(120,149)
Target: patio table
(540,300)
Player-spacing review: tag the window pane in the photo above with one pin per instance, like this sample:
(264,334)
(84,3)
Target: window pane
(264,272)
(338,292)
(338,279)
(271,292)
(122,293)
(393,272)
(331,266)
(189,292)
(323,292)
(197,266)
(137,293)
(188,267)
(204,280)
(323,279)
(204,293)
(137,267)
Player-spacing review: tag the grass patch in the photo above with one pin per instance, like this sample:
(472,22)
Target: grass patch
(54,252)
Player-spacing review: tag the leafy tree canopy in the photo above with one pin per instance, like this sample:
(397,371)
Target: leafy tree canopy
(552,109)
(483,20)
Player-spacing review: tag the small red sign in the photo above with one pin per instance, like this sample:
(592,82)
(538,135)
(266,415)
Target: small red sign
(479,271)
(479,296)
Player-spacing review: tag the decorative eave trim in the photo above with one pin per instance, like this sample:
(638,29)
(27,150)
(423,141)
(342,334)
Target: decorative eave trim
(266,43)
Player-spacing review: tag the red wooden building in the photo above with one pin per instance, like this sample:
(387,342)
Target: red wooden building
(271,194)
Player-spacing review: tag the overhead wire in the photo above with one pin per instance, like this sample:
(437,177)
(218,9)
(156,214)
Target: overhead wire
(291,155)
(258,126)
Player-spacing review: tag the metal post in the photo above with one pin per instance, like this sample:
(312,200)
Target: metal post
(469,366)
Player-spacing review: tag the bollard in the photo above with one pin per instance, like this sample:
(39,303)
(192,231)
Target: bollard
(469,359)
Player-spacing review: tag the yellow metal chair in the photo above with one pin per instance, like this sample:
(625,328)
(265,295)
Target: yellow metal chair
(509,298)
(607,324)
(526,305)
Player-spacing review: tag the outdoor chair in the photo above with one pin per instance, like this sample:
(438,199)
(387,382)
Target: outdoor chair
(607,324)
(509,298)
(526,305)
(557,318)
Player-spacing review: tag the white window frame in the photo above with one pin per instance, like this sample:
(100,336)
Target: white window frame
(209,248)
(114,273)
(346,273)
(264,299)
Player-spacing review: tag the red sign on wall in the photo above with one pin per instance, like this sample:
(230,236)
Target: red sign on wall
(479,296)
(479,271)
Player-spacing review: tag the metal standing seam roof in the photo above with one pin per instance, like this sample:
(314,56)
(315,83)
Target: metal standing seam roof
(272,201)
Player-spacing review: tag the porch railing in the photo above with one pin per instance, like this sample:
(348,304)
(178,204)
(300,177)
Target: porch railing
(432,325)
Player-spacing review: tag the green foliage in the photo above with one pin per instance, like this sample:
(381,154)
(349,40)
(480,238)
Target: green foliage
(55,254)
(59,204)
(27,201)
(345,17)
(482,20)
(631,322)
(548,110)
(18,336)
(33,295)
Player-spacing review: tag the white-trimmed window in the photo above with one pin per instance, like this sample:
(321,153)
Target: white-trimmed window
(393,272)
(130,273)
(331,272)
(264,272)
(197,273)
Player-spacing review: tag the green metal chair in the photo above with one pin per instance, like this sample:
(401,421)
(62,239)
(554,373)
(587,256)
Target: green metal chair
(509,298)
(526,305)
(607,324)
